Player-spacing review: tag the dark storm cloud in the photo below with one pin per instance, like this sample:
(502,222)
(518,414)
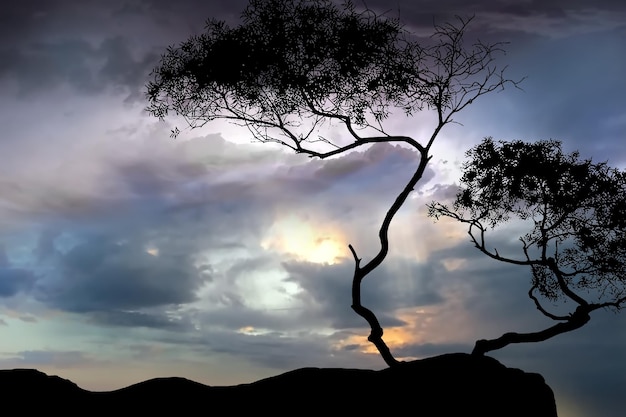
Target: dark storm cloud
(122,70)
(47,45)
(102,274)
(421,13)
(18,20)
(13,279)
(43,65)
(195,9)
(48,64)
(92,46)
(97,46)
(506,20)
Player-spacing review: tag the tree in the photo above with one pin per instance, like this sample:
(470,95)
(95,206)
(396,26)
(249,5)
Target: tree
(293,65)
(574,209)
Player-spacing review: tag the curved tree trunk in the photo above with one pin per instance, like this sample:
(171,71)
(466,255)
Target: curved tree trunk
(579,318)
(376,333)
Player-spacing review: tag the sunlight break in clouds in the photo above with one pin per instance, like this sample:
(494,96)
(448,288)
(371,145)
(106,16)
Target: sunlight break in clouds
(306,241)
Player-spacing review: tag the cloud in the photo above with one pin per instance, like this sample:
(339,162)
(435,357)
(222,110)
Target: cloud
(46,358)
(123,70)
(161,220)
(276,350)
(555,23)
(102,273)
(13,279)
(44,66)
(153,320)
(328,289)
(100,47)
(93,47)
(548,107)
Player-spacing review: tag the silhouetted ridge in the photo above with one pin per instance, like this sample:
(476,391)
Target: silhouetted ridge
(447,385)
(17,381)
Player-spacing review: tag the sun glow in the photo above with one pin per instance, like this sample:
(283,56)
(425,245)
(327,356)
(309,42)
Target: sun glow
(305,241)
(423,325)
(152,251)
(395,337)
(253,331)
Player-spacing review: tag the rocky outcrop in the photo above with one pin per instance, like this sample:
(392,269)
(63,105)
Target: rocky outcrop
(447,385)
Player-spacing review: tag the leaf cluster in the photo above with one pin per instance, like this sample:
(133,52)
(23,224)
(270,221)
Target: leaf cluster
(284,55)
(575,209)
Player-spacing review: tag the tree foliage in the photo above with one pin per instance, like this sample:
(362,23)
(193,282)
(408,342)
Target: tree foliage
(574,208)
(293,65)
(292,61)
(286,58)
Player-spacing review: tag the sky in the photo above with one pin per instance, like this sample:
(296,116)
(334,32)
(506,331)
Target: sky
(127,255)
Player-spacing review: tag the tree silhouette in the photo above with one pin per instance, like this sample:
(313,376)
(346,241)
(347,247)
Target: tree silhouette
(292,66)
(575,212)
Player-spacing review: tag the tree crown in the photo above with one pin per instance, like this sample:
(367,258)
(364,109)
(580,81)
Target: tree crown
(296,61)
(574,207)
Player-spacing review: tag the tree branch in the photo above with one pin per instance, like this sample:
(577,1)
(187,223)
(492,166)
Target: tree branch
(551,263)
(578,319)
(540,307)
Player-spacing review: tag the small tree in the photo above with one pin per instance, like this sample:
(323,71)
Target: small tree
(293,65)
(575,212)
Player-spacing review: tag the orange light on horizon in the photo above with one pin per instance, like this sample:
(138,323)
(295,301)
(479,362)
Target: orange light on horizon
(395,337)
